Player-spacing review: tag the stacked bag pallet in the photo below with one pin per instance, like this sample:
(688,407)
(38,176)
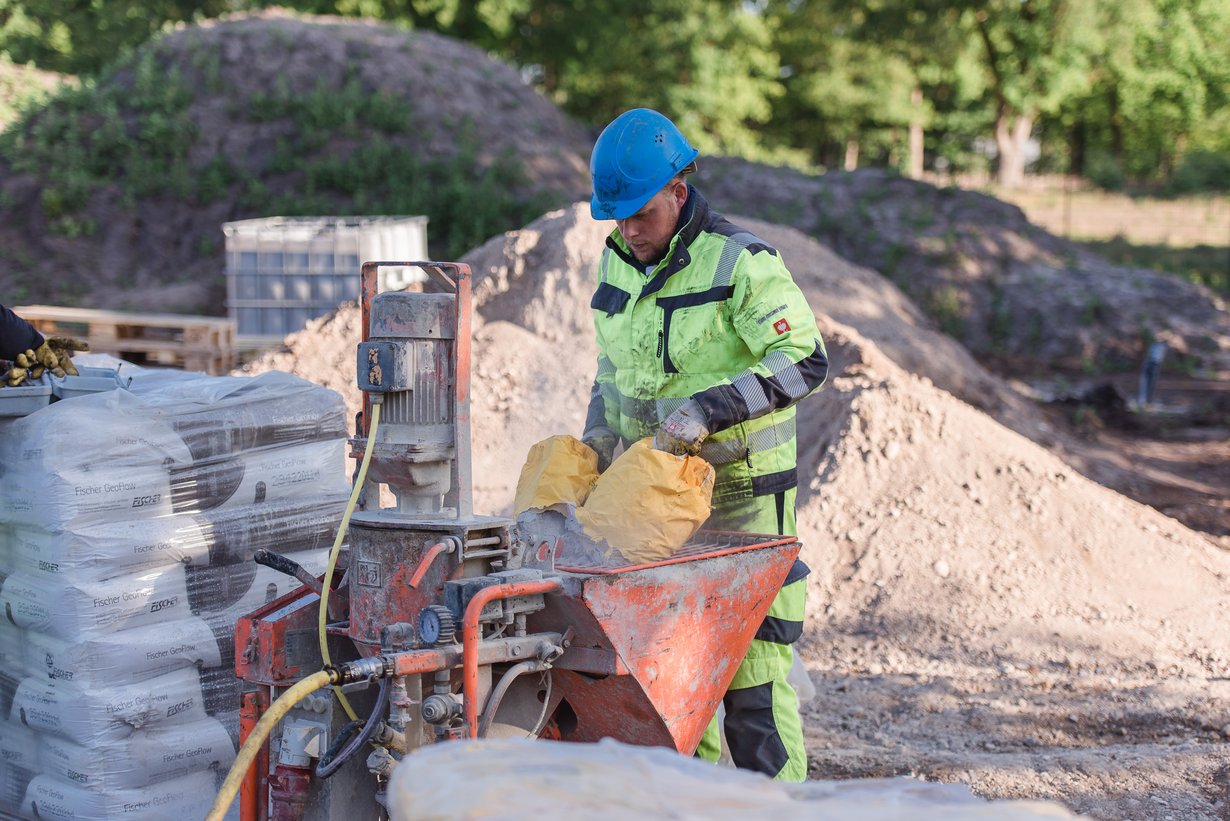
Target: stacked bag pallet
(128,521)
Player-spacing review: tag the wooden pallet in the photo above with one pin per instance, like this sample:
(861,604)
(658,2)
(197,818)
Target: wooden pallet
(194,343)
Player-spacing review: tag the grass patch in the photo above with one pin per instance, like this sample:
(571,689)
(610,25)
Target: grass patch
(131,128)
(1207,265)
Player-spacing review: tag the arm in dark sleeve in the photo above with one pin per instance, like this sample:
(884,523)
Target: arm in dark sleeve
(779,328)
(16,335)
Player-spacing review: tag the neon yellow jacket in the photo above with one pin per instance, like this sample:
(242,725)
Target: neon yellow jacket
(720,320)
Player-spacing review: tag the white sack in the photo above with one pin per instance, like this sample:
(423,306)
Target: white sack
(145,757)
(183,798)
(89,716)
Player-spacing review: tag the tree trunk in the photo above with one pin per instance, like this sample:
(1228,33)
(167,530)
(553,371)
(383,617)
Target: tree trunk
(851,155)
(915,170)
(1011,135)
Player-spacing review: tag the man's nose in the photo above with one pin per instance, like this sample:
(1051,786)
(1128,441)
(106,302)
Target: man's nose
(626,230)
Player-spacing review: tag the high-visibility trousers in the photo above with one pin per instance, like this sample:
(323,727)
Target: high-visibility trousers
(763,729)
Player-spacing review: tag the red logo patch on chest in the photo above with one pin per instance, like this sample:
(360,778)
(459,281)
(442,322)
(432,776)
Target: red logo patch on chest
(781,326)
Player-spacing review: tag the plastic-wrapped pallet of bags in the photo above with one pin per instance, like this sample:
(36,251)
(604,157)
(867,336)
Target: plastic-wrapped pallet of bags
(648,503)
(557,470)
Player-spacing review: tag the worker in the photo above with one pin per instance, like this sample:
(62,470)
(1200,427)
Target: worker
(16,335)
(706,343)
(30,353)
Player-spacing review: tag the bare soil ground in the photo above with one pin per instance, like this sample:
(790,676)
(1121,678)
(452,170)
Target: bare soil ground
(979,611)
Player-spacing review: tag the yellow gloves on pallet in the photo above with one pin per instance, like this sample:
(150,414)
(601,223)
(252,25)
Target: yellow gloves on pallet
(55,355)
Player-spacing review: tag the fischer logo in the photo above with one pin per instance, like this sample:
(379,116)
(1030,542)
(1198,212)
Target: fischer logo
(162,604)
(176,709)
(73,775)
(143,501)
(48,567)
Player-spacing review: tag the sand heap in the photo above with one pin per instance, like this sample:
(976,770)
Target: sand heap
(935,532)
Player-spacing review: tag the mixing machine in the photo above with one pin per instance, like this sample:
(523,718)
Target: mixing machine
(438,624)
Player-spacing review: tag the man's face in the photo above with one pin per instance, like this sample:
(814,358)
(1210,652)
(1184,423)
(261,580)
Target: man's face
(648,232)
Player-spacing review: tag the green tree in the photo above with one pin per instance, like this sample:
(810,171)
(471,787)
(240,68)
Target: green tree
(708,65)
(82,37)
(1037,54)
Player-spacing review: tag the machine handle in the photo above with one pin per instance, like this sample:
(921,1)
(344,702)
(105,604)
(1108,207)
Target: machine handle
(290,567)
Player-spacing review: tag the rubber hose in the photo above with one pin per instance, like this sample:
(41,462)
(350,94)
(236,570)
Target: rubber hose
(497,695)
(323,619)
(247,753)
(326,766)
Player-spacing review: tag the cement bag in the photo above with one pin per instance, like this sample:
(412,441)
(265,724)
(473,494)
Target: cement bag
(61,606)
(112,548)
(218,537)
(90,715)
(112,428)
(145,757)
(254,477)
(559,469)
(648,503)
(19,761)
(231,591)
(69,608)
(186,797)
(83,495)
(128,656)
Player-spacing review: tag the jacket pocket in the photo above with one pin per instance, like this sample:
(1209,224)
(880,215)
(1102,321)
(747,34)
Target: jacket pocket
(610,299)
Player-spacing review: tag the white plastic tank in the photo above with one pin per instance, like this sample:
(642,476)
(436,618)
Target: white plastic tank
(283,271)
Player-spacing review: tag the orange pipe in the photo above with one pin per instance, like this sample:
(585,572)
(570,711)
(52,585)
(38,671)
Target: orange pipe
(470,637)
(434,552)
(254,790)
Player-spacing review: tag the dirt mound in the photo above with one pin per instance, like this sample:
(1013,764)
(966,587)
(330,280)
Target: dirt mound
(1005,288)
(259,105)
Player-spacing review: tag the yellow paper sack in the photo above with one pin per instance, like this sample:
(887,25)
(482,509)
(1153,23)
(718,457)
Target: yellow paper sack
(557,469)
(648,503)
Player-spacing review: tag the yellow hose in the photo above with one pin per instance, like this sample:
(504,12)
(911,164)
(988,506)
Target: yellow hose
(247,753)
(337,549)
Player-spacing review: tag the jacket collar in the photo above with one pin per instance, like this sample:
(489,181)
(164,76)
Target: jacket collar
(693,218)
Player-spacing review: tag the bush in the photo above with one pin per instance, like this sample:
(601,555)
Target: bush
(1104,171)
(1199,172)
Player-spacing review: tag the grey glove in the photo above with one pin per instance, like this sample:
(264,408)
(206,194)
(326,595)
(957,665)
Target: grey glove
(683,431)
(601,441)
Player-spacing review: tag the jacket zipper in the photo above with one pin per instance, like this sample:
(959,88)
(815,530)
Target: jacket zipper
(659,344)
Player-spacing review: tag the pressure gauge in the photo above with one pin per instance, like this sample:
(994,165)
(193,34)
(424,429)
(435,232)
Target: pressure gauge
(437,625)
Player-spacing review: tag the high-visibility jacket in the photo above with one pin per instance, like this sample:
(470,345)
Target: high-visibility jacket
(720,320)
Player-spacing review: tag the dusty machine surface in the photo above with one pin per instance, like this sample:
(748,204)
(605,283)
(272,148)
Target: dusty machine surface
(441,624)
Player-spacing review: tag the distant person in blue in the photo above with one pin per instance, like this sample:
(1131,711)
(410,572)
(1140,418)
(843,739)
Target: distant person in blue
(1150,369)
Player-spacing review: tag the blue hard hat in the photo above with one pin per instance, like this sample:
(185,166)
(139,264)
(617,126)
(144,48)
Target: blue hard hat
(637,154)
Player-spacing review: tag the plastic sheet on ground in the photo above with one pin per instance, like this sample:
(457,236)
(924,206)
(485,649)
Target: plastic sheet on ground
(609,780)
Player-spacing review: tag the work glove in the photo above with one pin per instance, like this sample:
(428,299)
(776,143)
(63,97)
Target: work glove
(55,355)
(682,432)
(601,441)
